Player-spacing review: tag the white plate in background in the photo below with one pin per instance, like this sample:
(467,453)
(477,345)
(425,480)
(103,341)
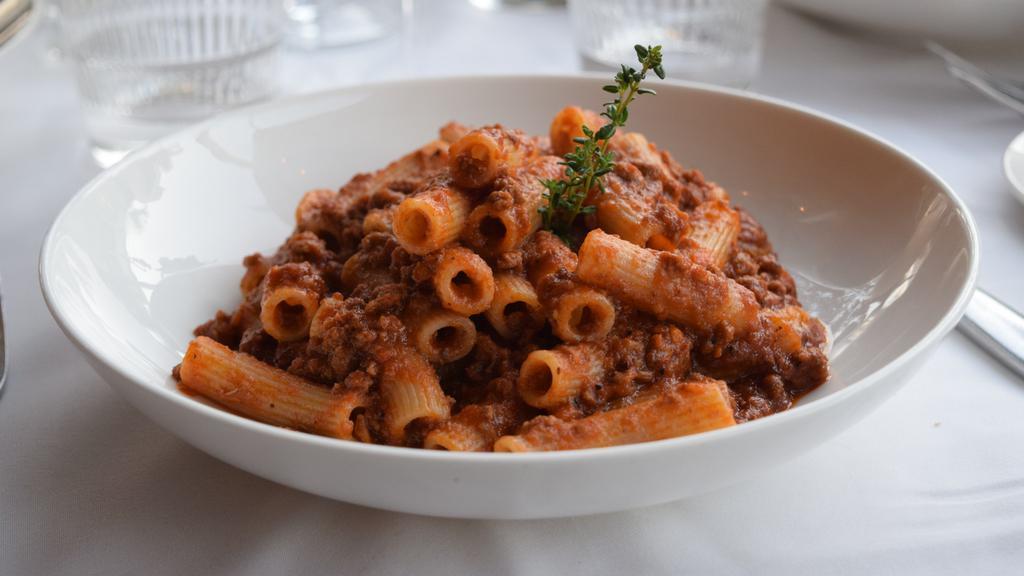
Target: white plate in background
(952,20)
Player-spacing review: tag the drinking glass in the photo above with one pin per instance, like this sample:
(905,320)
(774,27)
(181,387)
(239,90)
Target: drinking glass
(709,40)
(516,4)
(147,67)
(327,23)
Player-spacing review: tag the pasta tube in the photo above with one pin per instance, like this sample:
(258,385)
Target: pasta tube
(430,219)
(321,212)
(477,158)
(549,378)
(667,285)
(379,220)
(568,125)
(790,327)
(438,334)
(582,314)
(629,215)
(452,131)
(463,281)
(714,228)
(546,254)
(691,407)
(458,437)
(625,216)
(633,147)
(256,267)
(410,391)
(510,214)
(474,428)
(262,392)
(491,230)
(514,307)
(329,307)
(418,164)
(291,295)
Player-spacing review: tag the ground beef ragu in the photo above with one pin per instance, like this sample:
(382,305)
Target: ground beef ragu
(343,249)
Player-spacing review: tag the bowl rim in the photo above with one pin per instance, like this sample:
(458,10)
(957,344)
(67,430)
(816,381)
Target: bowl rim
(939,329)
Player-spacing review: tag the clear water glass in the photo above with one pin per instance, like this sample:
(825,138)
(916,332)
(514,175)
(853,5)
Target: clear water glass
(516,4)
(715,41)
(327,23)
(147,67)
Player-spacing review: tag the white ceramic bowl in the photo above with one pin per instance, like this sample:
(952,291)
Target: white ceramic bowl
(883,250)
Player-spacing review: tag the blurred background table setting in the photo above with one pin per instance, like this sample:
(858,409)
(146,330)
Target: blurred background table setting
(931,483)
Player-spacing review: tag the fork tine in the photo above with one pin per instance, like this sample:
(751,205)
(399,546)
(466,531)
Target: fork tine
(1009,88)
(3,346)
(954,60)
(1003,92)
(989,90)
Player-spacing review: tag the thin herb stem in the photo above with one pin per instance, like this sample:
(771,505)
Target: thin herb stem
(585,166)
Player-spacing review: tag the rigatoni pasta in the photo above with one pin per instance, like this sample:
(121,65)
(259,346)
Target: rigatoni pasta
(431,219)
(715,228)
(463,281)
(510,214)
(626,217)
(291,295)
(440,335)
(568,125)
(667,285)
(256,390)
(690,407)
(582,313)
(550,378)
(425,305)
(410,391)
(475,428)
(515,308)
(320,212)
(480,155)
(546,257)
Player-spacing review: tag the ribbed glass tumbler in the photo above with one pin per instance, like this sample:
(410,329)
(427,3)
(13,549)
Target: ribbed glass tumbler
(708,40)
(147,67)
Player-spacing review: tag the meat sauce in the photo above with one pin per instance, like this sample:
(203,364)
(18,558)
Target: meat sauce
(343,245)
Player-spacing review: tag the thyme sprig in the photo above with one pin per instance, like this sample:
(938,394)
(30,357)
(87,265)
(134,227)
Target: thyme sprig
(591,159)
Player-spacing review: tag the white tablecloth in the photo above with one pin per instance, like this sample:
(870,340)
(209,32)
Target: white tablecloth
(931,483)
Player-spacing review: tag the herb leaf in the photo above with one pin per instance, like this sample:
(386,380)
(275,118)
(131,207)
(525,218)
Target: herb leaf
(591,159)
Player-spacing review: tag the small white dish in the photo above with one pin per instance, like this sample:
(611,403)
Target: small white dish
(883,251)
(1013,165)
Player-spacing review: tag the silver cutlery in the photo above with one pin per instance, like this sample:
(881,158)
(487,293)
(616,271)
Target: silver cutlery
(992,325)
(996,328)
(3,345)
(13,17)
(1007,93)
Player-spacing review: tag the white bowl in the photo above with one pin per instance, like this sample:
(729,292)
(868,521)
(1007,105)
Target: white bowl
(884,253)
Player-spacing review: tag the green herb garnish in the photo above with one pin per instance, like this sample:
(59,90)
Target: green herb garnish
(591,160)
